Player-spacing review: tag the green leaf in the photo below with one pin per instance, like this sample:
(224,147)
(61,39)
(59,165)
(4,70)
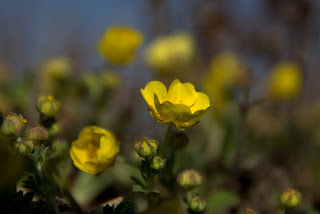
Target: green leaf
(221,201)
(42,186)
(108,209)
(138,181)
(125,207)
(138,188)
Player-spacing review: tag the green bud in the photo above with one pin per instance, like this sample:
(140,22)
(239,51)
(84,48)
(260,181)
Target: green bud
(179,140)
(247,210)
(189,178)
(54,129)
(290,198)
(47,105)
(197,204)
(157,163)
(13,125)
(146,147)
(37,133)
(25,146)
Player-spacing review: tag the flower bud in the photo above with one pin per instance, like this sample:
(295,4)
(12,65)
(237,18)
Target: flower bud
(179,140)
(37,133)
(157,163)
(146,147)
(189,178)
(54,129)
(247,210)
(25,146)
(290,198)
(13,125)
(198,204)
(47,105)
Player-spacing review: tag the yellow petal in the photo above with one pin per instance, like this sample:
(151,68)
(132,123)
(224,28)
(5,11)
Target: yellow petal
(85,149)
(109,148)
(152,88)
(91,130)
(201,103)
(182,93)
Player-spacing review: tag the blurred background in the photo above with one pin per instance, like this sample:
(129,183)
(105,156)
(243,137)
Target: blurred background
(256,59)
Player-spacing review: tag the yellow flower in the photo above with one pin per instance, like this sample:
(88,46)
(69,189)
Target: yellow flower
(119,44)
(95,149)
(285,80)
(171,53)
(53,71)
(225,73)
(110,79)
(181,105)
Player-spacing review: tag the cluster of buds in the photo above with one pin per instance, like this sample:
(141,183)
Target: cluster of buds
(147,148)
(13,126)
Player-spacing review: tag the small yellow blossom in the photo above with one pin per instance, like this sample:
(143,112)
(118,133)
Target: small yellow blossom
(225,73)
(119,43)
(181,105)
(95,149)
(285,80)
(171,53)
(110,79)
(53,70)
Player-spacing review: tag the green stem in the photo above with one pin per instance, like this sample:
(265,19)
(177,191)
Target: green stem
(53,205)
(166,140)
(74,204)
(287,211)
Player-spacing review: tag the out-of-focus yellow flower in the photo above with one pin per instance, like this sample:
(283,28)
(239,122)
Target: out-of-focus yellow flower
(171,53)
(181,105)
(53,70)
(119,43)
(95,150)
(285,80)
(110,79)
(225,73)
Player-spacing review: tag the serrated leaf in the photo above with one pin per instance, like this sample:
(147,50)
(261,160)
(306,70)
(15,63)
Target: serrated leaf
(108,209)
(42,186)
(137,181)
(138,188)
(125,207)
